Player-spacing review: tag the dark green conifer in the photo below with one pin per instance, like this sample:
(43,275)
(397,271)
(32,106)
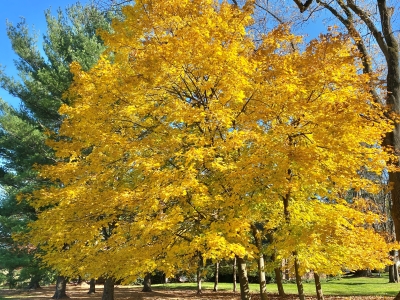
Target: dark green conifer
(43,77)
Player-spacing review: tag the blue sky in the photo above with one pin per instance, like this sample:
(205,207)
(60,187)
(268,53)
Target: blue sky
(33,12)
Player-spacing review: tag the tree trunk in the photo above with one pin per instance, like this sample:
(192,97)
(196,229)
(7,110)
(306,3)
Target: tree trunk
(234,275)
(391,274)
(395,193)
(393,270)
(243,280)
(34,283)
(61,287)
(216,277)
(299,283)
(147,283)
(278,278)
(261,274)
(318,287)
(92,286)
(260,262)
(108,292)
(10,278)
(393,100)
(199,270)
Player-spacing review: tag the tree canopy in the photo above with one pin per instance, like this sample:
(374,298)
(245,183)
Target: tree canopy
(188,129)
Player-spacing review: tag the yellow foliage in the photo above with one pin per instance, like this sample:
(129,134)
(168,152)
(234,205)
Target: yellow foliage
(187,131)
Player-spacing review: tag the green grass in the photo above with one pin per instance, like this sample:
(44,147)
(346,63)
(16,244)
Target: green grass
(346,286)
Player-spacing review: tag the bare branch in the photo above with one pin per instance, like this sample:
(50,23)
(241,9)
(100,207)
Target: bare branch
(110,5)
(371,26)
(269,12)
(276,18)
(358,40)
(356,36)
(301,6)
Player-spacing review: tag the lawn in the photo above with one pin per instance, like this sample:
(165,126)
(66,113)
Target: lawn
(346,286)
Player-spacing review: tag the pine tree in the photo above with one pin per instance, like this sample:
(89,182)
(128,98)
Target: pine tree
(42,80)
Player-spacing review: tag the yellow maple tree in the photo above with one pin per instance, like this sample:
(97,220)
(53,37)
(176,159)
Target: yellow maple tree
(187,131)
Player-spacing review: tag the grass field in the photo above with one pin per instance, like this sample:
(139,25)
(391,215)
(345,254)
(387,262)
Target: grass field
(354,288)
(346,286)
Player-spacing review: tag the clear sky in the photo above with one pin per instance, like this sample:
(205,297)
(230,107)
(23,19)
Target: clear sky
(33,12)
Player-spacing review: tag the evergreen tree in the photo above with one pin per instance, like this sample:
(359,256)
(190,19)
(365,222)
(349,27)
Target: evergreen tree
(43,77)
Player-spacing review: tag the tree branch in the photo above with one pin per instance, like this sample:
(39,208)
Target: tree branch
(269,12)
(392,59)
(358,40)
(365,58)
(301,6)
(371,26)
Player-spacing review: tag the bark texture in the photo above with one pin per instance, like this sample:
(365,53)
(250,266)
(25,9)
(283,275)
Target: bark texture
(243,279)
(147,283)
(61,288)
(391,51)
(318,287)
(108,292)
(234,274)
(391,274)
(261,273)
(216,277)
(260,262)
(92,286)
(299,283)
(278,278)
(199,270)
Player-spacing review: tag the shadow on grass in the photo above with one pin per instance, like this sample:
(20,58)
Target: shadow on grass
(174,287)
(353,283)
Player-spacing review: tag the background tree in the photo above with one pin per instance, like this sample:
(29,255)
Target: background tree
(378,24)
(71,36)
(372,27)
(111,5)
